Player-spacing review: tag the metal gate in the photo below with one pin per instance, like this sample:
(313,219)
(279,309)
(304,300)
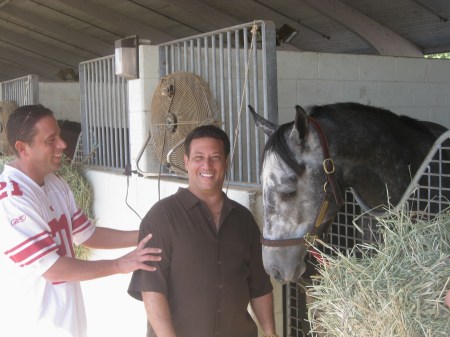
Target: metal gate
(239,63)
(23,90)
(104,114)
(426,196)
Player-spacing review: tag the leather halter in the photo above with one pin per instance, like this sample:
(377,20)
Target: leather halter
(328,167)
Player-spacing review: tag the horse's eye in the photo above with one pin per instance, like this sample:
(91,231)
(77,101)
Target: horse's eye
(288,195)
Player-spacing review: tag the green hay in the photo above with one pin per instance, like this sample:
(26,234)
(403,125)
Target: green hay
(397,292)
(82,191)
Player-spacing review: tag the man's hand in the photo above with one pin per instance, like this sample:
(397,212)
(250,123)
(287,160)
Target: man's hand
(137,258)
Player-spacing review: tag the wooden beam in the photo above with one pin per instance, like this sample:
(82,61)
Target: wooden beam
(66,35)
(22,41)
(206,13)
(30,63)
(10,71)
(384,40)
(117,22)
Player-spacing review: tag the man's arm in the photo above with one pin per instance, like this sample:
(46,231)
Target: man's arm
(72,269)
(108,238)
(158,313)
(263,309)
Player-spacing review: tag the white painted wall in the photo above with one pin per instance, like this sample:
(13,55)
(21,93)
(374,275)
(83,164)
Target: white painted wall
(418,88)
(63,98)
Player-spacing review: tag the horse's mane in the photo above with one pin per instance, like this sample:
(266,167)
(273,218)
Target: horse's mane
(277,143)
(383,114)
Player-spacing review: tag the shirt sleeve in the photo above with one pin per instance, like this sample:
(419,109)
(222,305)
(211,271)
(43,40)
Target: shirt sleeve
(158,222)
(259,282)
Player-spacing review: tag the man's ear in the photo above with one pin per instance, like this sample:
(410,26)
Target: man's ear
(20,147)
(186,162)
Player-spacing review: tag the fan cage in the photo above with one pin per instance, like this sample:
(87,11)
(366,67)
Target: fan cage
(181,102)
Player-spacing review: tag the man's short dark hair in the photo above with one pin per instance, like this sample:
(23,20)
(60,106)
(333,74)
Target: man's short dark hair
(21,123)
(204,131)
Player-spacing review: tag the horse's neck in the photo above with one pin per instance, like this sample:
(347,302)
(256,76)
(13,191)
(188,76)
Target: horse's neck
(370,171)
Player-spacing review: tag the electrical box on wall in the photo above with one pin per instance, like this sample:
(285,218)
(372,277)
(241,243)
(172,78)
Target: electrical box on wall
(126,57)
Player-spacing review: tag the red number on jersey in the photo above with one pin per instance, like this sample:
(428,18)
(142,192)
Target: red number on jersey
(16,191)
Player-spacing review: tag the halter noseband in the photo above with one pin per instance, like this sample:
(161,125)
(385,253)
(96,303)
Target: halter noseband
(328,167)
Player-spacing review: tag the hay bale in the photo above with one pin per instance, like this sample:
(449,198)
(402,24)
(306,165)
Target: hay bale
(397,292)
(82,191)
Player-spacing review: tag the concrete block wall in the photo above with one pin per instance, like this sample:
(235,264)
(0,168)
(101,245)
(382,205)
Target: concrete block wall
(63,98)
(140,98)
(418,88)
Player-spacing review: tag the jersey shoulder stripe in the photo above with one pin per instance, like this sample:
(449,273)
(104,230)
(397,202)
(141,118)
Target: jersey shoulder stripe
(27,251)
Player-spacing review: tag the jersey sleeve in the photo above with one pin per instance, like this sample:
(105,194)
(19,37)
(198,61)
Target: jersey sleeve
(25,238)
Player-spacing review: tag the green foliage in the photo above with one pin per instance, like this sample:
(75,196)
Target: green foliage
(438,56)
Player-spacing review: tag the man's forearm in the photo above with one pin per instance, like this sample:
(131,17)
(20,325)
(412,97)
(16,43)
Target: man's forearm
(263,310)
(158,314)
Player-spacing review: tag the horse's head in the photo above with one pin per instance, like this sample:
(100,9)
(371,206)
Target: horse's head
(297,197)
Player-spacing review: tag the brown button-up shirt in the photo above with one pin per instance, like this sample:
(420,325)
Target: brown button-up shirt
(207,275)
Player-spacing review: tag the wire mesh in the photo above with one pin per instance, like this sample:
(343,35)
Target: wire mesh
(427,195)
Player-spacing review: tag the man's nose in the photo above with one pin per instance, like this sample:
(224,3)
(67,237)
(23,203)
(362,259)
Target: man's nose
(62,144)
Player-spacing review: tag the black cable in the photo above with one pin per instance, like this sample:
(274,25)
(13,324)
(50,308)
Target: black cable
(126,198)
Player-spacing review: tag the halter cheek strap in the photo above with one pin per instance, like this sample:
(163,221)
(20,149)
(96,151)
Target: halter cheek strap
(329,169)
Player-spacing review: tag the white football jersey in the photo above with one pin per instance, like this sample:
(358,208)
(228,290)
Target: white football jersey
(38,224)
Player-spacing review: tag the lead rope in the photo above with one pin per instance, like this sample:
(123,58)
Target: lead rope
(254,31)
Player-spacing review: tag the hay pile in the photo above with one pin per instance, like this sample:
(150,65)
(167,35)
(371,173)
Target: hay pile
(82,191)
(397,292)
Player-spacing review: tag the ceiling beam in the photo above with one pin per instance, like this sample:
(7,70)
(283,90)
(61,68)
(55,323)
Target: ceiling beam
(117,22)
(12,71)
(206,13)
(65,35)
(437,50)
(24,42)
(384,40)
(28,62)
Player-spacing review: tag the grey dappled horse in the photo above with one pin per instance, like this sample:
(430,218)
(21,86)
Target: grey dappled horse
(308,164)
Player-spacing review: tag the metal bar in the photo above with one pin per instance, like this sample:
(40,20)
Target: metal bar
(238,104)
(199,56)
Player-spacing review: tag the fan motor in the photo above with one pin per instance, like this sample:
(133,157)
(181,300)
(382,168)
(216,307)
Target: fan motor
(170,122)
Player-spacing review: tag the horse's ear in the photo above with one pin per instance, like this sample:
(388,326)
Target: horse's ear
(267,127)
(301,125)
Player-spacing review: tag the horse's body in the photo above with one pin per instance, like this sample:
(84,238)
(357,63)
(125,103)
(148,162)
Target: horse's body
(70,131)
(371,150)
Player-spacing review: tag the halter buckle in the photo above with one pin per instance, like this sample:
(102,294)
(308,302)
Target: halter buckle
(327,161)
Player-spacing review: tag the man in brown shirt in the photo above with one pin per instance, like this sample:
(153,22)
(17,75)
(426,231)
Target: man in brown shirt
(211,266)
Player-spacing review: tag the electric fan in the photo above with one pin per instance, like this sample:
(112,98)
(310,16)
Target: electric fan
(6,108)
(181,102)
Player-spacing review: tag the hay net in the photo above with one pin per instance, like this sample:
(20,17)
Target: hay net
(398,291)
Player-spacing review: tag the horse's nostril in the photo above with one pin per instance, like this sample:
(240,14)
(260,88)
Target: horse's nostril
(276,275)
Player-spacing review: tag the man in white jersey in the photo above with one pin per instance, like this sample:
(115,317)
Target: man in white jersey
(40,294)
